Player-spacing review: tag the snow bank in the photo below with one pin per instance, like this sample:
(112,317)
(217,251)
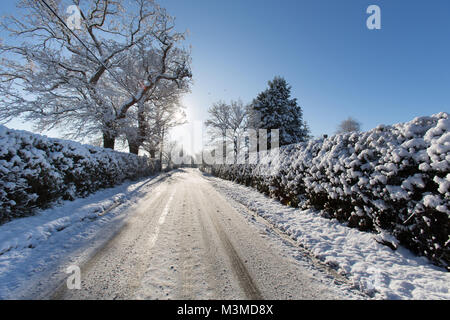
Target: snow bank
(35,251)
(36,170)
(393,180)
(370,266)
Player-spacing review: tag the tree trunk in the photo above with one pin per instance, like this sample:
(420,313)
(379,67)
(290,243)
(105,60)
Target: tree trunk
(108,140)
(235,148)
(161,149)
(136,142)
(133,147)
(160,160)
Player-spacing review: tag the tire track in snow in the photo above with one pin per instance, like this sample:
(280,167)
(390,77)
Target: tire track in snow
(106,260)
(239,269)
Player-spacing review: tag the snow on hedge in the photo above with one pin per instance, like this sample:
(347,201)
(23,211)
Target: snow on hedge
(36,170)
(391,180)
(368,265)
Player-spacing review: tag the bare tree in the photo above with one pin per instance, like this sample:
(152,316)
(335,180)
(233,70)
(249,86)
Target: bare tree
(163,115)
(53,79)
(227,123)
(219,117)
(158,110)
(169,148)
(238,125)
(349,125)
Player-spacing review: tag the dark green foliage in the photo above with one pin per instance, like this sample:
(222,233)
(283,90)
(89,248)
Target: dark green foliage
(36,171)
(393,179)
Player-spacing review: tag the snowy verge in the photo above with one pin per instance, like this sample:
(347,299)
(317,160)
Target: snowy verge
(36,171)
(392,180)
(34,251)
(370,266)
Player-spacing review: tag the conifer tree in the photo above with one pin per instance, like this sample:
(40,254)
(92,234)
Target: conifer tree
(275,109)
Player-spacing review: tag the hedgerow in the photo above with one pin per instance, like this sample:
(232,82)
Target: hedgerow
(392,179)
(36,171)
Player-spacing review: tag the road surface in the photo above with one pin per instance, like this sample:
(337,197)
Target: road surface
(186,241)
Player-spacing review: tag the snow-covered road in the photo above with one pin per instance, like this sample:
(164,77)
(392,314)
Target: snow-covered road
(186,241)
(187,235)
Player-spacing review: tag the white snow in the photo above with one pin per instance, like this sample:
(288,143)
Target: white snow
(34,251)
(381,179)
(371,266)
(36,170)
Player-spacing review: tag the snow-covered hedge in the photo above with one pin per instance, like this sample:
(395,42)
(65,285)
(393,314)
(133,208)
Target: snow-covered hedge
(36,170)
(392,179)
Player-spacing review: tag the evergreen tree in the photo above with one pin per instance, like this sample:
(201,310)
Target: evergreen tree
(275,109)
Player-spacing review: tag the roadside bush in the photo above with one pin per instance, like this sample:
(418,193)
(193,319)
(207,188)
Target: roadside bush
(392,179)
(36,171)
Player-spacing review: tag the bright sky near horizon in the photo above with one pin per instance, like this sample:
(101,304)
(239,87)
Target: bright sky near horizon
(336,66)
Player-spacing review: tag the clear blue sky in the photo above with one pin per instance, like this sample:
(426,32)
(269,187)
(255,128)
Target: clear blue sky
(336,66)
